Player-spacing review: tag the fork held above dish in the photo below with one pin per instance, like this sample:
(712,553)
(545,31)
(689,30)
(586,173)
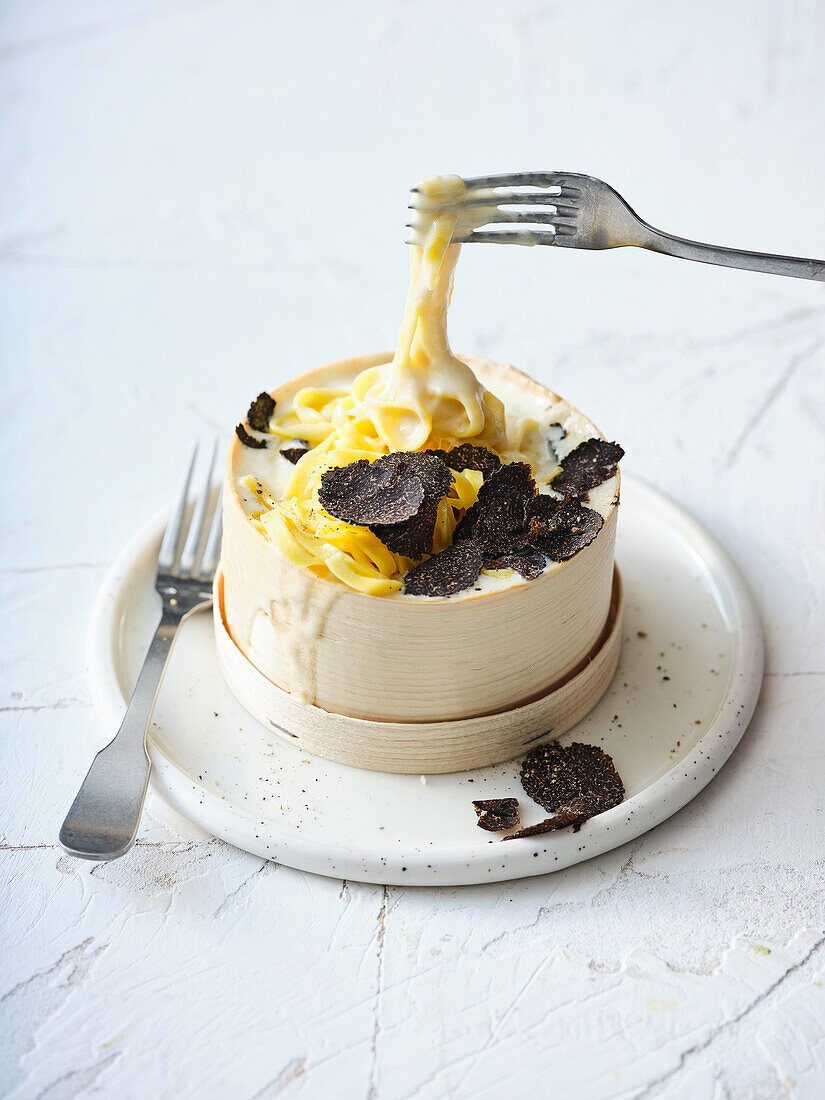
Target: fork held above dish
(572,210)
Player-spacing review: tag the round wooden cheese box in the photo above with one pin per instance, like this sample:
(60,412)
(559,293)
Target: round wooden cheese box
(417,684)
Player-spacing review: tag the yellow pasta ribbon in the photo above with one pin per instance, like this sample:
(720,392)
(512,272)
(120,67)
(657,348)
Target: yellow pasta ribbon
(309,536)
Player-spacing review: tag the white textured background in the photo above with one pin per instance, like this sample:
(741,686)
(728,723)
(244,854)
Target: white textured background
(200,199)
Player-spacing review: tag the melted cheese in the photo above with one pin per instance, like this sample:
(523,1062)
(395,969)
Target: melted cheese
(423,398)
(425,390)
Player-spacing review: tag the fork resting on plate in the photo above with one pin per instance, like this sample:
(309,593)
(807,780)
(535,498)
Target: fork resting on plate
(103,820)
(571,210)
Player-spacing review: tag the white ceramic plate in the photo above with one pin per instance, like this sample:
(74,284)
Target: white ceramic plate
(683,694)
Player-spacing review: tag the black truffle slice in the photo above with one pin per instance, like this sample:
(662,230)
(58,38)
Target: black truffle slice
(396,496)
(435,477)
(573,782)
(359,481)
(469,456)
(574,777)
(398,501)
(587,466)
(450,571)
(247,439)
(413,538)
(260,411)
(496,522)
(371,492)
(296,449)
(543,511)
(497,814)
(527,560)
(561,532)
(562,820)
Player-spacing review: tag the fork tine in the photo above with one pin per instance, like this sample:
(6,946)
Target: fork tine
(566,197)
(196,527)
(498,198)
(213,545)
(171,537)
(522,236)
(566,211)
(532,217)
(522,179)
(519,198)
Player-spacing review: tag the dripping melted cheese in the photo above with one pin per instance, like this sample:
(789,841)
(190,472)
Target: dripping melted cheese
(423,398)
(426,390)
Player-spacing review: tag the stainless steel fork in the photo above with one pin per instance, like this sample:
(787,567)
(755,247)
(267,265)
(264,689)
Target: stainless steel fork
(571,210)
(103,820)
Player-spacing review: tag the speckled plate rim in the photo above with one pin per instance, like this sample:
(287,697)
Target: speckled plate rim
(456,865)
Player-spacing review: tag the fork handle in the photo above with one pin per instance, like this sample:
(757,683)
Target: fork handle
(103,820)
(792,266)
